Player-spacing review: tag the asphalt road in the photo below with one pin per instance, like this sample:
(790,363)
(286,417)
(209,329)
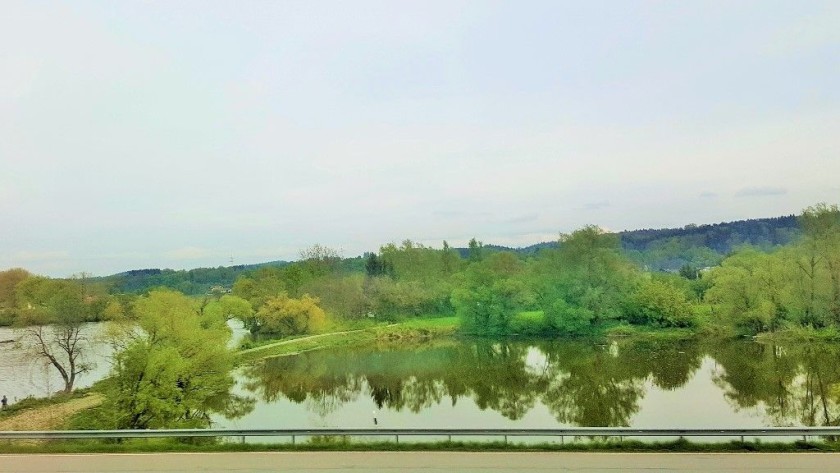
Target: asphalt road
(426,462)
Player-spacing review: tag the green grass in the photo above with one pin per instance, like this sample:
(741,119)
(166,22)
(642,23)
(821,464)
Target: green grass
(338,444)
(647,333)
(411,330)
(801,334)
(432,323)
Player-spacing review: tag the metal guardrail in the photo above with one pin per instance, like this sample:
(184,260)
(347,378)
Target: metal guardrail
(620,432)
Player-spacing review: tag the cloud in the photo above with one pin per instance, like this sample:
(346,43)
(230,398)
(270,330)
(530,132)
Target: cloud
(761,191)
(596,205)
(708,195)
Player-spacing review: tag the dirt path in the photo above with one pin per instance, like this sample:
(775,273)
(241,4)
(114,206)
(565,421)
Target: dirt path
(49,417)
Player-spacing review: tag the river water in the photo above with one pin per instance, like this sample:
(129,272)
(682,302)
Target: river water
(522,384)
(22,374)
(511,384)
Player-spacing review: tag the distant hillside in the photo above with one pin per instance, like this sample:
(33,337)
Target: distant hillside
(192,281)
(705,245)
(669,249)
(659,250)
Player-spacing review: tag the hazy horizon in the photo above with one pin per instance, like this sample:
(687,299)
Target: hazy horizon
(181,135)
(439,244)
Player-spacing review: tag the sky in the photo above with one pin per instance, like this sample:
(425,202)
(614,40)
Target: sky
(160,134)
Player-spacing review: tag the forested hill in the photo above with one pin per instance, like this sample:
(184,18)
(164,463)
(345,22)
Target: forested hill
(720,237)
(699,246)
(193,281)
(669,249)
(704,245)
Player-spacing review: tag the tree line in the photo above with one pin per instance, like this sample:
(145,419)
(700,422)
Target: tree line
(586,284)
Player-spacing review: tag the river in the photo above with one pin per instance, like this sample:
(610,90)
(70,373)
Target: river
(508,384)
(536,384)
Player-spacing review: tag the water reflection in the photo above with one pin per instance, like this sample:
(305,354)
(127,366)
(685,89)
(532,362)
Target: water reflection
(580,383)
(795,385)
(576,383)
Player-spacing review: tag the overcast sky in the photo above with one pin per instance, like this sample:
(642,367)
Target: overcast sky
(184,134)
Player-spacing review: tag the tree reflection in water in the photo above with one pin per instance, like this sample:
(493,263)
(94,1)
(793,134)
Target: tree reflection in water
(580,383)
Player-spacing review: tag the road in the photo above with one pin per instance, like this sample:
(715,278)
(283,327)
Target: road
(417,462)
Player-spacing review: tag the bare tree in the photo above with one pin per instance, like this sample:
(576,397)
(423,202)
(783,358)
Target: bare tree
(61,346)
(53,313)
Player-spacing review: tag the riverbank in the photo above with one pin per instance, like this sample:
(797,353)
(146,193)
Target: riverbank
(48,414)
(413,330)
(628,446)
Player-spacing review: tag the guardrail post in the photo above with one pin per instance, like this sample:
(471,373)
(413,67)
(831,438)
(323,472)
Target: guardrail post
(293,440)
(397,437)
(449,438)
(562,440)
(505,439)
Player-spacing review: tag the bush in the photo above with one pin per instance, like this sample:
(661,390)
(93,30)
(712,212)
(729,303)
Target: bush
(660,303)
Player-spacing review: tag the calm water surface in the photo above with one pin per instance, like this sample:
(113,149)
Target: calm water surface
(23,375)
(480,384)
(514,384)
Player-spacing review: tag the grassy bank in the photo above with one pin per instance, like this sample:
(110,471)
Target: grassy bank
(174,445)
(800,334)
(32,403)
(645,333)
(413,330)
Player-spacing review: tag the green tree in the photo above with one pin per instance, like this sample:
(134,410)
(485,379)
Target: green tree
(450,259)
(231,307)
(173,368)
(9,280)
(319,260)
(340,295)
(260,285)
(476,250)
(660,303)
(283,315)
(586,278)
(491,294)
(750,290)
(821,226)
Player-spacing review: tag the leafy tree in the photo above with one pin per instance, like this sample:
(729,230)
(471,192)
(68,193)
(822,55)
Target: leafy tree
(586,278)
(283,315)
(389,299)
(231,307)
(319,260)
(821,226)
(657,302)
(565,318)
(475,250)
(450,259)
(492,293)
(260,285)
(9,279)
(173,369)
(341,296)
(749,290)
(375,266)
